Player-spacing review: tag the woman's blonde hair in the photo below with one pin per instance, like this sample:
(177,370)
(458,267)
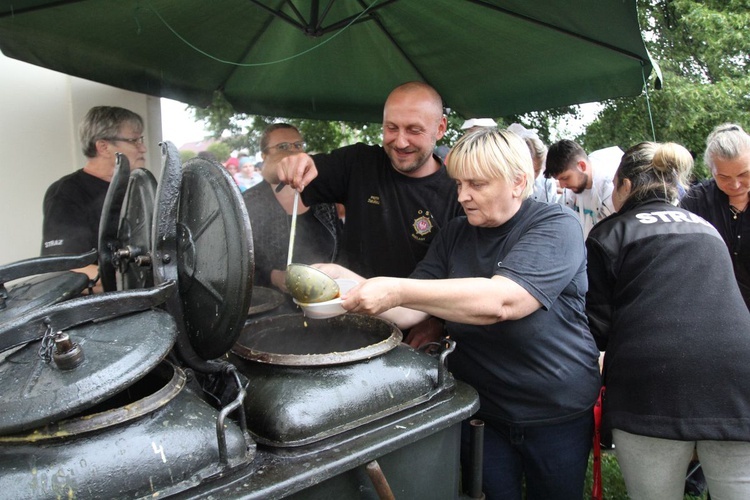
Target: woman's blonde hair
(490,154)
(655,170)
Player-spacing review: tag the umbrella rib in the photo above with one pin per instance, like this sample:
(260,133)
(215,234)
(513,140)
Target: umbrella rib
(531,20)
(15,12)
(348,20)
(313,26)
(281,15)
(321,16)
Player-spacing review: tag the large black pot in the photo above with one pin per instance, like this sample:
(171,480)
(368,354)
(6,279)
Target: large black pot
(155,438)
(309,380)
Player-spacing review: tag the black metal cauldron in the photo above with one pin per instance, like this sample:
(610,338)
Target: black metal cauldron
(349,422)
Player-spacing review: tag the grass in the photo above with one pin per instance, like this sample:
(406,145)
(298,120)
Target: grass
(613,486)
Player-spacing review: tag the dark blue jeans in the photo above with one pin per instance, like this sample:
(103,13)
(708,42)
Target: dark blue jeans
(552,458)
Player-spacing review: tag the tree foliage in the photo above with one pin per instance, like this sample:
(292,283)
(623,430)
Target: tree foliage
(242,131)
(703,48)
(220,150)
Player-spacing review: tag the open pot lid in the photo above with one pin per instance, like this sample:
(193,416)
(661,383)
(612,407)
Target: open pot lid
(214,257)
(202,239)
(126,229)
(22,274)
(117,353)
(109,222)
(28,294)
(135,232)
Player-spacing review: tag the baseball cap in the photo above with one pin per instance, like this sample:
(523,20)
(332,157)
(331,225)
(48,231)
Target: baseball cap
(478,122)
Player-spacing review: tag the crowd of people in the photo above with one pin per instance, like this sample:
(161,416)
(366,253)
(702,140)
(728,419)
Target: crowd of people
(534,260)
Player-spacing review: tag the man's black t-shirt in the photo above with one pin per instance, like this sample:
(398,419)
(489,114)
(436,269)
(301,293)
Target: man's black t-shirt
(390,218)
(72,209)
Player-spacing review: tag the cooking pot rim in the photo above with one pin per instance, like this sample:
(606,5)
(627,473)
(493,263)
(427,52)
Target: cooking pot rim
(319,359)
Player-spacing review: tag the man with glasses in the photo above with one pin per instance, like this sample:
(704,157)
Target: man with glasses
(318,228)
(73,204)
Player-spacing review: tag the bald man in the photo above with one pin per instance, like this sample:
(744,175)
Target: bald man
(397,196)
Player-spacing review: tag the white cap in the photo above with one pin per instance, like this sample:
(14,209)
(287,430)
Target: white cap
(478,122)
(523,132)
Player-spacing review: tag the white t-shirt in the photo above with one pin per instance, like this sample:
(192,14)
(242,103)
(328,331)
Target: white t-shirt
(593,205)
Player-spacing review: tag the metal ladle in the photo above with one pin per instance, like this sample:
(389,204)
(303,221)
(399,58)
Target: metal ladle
(306,284)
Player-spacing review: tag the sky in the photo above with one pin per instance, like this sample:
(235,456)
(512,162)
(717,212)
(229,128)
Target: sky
(178,124)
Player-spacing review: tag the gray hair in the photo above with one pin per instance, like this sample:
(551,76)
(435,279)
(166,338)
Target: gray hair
(727,142)
(104,123)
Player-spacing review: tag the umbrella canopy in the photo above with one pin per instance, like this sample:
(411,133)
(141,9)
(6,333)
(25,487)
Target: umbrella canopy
(339,59)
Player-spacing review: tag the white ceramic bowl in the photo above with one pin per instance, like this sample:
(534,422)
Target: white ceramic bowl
(329,308)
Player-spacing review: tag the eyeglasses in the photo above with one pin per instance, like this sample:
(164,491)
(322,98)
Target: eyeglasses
(138,141)
(288,146)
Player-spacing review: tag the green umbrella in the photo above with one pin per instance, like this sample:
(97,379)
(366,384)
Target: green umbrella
(338,59)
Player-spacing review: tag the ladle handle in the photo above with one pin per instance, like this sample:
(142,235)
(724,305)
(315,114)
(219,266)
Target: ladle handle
(293,230)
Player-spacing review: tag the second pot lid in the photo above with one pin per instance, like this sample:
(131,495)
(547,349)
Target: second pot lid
(117,353)
(214,258)
(126,228)
(135,231)
(29,294)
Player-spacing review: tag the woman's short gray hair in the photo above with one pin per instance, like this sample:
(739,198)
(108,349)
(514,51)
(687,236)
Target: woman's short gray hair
(727,142)
(105,122)
(487,154)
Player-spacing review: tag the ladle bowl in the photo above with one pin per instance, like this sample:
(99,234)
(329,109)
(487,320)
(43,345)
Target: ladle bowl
(310,285)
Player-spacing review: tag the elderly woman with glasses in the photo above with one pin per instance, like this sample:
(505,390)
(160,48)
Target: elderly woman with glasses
(270,209)
(723,200)
(73,204)
(509,280)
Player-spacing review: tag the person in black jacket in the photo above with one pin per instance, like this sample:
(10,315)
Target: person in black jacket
(664,306)
(723,200)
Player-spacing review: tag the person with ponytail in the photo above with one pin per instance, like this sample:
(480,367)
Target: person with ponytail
(664,306)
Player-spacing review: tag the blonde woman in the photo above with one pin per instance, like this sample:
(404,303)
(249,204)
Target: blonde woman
(509,279)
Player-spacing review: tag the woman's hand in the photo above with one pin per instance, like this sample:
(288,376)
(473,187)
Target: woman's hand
(373,297)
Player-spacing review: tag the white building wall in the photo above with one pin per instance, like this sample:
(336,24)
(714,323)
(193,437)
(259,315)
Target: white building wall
(39,115)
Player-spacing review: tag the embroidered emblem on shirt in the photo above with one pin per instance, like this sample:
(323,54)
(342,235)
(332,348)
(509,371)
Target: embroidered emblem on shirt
(373,199)
(423,225)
